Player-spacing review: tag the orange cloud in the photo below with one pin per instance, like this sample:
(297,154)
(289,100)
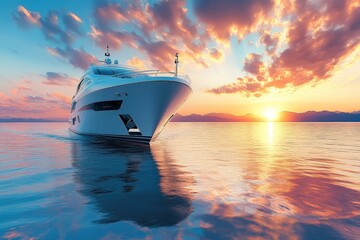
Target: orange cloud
(246,85)
(75,17)
(136,62)
(224,19)
(253,63)
(318,39)
(216,54)
(159,30)
(270,41)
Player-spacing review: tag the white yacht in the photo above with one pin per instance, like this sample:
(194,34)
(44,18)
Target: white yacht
(125,103)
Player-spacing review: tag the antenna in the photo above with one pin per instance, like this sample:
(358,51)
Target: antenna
(107,54)
(176,64)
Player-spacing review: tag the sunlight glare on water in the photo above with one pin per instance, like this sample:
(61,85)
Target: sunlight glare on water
(196,181)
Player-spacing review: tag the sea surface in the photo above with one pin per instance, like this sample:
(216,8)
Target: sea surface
(196,181)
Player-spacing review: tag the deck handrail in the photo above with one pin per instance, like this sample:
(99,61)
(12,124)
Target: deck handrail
(135,73)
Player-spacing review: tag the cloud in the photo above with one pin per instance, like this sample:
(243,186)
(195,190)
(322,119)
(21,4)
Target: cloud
(106,13)
(36,99)
(162,28)
(52,30)
(77,58)
(49,25)
(233,17)
(216,54)
(49,105)
(24,101)
(53,78)
(72,22)
(136,62)
(270,41)
(115,39)
(159,52)
(21,88)
(62,99)
(253,63)
(317,40)
(246,85)
(25,18)
(75,17)
(64,36)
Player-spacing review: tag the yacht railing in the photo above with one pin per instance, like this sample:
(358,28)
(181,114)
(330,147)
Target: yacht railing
(149,73)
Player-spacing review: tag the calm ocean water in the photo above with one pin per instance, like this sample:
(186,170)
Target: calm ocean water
(196,181)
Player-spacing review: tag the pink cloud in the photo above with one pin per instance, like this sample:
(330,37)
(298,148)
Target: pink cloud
(23,101)
(226,18)
(21,88)
(162,28)
(63,99)
(115,39)
(159,52)
(25,18)
(107,13)
(253,63)
(54,105)
(270,41)
(53,78)
(77,58)
(317,41)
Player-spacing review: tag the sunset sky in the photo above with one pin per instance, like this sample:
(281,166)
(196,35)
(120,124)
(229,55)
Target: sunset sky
(243,56)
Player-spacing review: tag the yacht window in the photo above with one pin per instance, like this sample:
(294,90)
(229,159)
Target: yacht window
(102,106)
(111,71)
(79,86)
(84,83)
(96,71)
(104,71)
(73,105)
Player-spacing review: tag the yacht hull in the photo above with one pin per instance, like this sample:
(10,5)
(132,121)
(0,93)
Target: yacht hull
(132,112)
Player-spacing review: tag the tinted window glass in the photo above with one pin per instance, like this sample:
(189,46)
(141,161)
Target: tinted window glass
(109,71)
(102,106)
(73,105)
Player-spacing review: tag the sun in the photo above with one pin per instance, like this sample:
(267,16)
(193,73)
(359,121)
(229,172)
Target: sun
(270,115)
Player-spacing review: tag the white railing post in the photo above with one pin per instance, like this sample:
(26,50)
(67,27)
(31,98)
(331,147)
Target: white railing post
(176,64)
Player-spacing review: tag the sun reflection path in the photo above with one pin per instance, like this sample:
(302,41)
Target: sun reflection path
(270,127)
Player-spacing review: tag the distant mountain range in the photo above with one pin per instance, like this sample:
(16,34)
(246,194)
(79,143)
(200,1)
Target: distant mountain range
(310,116)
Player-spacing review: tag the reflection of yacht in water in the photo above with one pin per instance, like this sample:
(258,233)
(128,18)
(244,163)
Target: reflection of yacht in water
(125,103)
(128,184)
